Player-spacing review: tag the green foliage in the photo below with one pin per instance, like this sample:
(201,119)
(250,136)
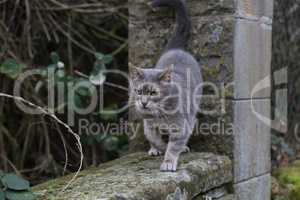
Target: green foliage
(11,68)
(21,195)
(108,113)
(111,143)
(54,57)
(14,182)
(97,76)
(73,36)
(13,187)
(289,177)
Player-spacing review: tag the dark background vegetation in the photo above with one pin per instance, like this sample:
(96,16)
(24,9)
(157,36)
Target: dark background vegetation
(286,49)
(36,34)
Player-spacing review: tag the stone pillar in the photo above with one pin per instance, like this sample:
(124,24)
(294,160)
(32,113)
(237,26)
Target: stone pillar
(252,64)
(231,39)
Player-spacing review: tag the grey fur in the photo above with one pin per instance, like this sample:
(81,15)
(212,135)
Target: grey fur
(163,97)
(182,31)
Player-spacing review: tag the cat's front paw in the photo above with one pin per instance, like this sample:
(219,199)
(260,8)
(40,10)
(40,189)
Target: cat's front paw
(168,166)
(186,149)
(154,152)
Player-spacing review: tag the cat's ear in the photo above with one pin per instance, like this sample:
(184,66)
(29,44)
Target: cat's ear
(136,72)
(166,75)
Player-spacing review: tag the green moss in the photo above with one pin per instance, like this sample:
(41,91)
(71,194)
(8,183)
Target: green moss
(289,177)
(295,193)
(137,175)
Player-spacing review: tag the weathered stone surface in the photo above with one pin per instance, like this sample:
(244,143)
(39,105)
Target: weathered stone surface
(218,193)
(256,8)
(214,132)
(211,39)
(137,177)
(254,189)
(252,59)
(252,139)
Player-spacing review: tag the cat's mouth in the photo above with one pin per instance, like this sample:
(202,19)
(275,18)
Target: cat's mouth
(146,111)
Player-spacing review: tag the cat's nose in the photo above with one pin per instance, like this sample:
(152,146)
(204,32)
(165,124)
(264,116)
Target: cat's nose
(144,104)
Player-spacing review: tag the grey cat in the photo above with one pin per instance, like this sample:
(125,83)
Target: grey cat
(165,96)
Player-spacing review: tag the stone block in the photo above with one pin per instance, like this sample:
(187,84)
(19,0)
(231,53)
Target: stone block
(251,139)
(258,188)
(214,132)
(257,8)
(211,40)
(252,59)
(137,176)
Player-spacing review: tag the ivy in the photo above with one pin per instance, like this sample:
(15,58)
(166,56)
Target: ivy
(97,76)
(11,68)
(13,187)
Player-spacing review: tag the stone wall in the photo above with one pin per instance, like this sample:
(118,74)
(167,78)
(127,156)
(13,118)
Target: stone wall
(137,177)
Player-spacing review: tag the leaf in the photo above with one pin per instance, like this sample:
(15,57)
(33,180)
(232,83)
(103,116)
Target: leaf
(109,116)
(87,140)
(17,195)
(83,87)
(43,72)
(52,67)
(111,143)
(60,65)
(83,91)
(60,73)
(77,101)
(98,66)
(11,68)
(2,195)
(97,79)
(99,56)
(14,182)
(107,59)
(99,137)
(54,58)
(104,58)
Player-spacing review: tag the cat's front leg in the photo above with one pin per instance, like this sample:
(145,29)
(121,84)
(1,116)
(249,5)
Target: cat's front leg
(157,145)
(176,145)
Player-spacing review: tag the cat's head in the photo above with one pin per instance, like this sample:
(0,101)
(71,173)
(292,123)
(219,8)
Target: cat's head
(149,89)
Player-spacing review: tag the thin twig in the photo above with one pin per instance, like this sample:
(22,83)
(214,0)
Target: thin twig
(43,25)
(3,1)
(71,38)
(110,34)
(27,27)
(46,112)
(105,83)
(120,48)
(11,165)
(69,44)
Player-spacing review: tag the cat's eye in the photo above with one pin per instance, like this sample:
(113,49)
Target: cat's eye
(153,93)
(138,91)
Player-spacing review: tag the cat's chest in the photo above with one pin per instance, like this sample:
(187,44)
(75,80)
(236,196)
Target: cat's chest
(164,126)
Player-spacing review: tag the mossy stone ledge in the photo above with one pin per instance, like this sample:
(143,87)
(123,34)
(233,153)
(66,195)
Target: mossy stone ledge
(137,177)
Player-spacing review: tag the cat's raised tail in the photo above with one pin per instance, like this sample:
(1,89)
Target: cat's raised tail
(183,26)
